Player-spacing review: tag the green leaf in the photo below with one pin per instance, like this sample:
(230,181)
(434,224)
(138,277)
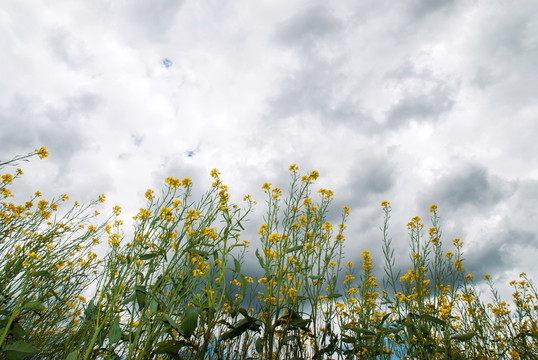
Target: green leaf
(260,259)
(259,346)
(364,331)
(169,347)
(18,331)
(90,310)
(245,313)
(72,355)
(148,256)
(22,348)
(237,265)
(114,335)
(153,306)
(295,248)
(333,296)
(140,293)
(43,273)
(189,322)
(34,306)
(289,339)
(348,339)
(239,328)
(464,337)
(298,323)
(202,253)
(172,322)
(433,319)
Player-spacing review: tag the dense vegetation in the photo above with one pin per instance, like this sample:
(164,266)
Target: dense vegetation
(176,287)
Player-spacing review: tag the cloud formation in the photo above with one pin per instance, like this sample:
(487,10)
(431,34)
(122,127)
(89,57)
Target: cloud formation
(417,102)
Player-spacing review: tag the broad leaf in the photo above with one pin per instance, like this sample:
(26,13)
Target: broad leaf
(464,337)
(189,322)
(114,334)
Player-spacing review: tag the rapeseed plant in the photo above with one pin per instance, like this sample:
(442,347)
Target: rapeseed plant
(176,287)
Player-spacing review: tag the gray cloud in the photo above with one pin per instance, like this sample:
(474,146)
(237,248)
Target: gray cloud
(496,254)
(467,185)
(421,106)
(56,127)
(308,28)
(69,49)
(152,19)
(421,8)
(370,177)
(321,85)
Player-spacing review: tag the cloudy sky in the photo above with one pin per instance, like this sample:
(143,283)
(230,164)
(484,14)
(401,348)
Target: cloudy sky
(415,102)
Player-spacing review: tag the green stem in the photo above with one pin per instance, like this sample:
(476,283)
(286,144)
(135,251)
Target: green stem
(13,315)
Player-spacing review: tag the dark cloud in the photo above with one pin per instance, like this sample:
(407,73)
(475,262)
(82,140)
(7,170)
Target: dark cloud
(496,254)
(421,106)
(467,185)
(370,177)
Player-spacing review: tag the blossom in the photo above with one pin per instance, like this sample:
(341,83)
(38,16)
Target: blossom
(172,182)
(42,152)
(274,238)
(33,255)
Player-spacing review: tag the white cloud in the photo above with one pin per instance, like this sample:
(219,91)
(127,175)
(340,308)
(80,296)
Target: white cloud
(386,100)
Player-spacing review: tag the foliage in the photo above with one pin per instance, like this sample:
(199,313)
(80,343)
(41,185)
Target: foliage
(176,289)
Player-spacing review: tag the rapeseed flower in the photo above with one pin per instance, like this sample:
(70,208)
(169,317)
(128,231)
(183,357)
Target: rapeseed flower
(42,152)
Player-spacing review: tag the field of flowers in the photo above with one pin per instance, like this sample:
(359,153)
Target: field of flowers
(176,287)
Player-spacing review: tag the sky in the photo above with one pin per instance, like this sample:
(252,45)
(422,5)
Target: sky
(416,102)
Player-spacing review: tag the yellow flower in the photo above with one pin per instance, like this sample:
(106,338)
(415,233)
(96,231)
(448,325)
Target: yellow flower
(186,182)
(33,255)
(385,204)
(326,193)
(327,226)
(215,173)
(117,210)
(345,209)
(167,214)
(102,198)
(42,152)
(7,178)
(172,182)
(263,229)
(274,238)
(486,276)
(276,193)
(293,167)
(150,194)
(433,208)
(266,186)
